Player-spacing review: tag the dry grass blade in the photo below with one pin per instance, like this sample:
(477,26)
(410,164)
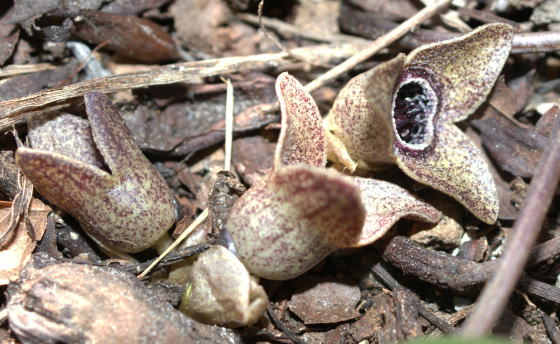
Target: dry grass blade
(229,125)
(227,164)
(176,243)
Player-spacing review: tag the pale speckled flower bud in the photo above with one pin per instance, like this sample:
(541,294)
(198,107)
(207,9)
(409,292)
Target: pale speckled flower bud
(126,210)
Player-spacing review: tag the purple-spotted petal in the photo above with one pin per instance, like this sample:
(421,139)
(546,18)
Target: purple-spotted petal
(461,71)
(57,177)
(360,114)
(302,138)
(112,137)
(385,204)
(455,166)
(127,210)
(292,219)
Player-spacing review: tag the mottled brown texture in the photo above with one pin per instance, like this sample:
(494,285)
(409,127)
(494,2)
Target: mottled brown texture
(80,303)
(288,222)
(302,139)
(325,300)
(253,156)
(65,134)
(385,204)
(223,292)
(359,117)
(127,210)
(447,233)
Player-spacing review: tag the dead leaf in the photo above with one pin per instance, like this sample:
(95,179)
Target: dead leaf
(516,150)
(503,99)
(71,303)
(23,85)
(446,233)
(198,24)
(325,300)
(252,157)
(14,257)
(117,32)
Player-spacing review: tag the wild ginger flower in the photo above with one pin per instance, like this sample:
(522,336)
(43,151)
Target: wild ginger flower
(300,212)
(403,112)
(126,210)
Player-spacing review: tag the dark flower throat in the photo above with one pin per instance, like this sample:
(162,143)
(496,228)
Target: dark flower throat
(412,110)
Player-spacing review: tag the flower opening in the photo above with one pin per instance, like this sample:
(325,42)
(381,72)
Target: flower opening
(414,107)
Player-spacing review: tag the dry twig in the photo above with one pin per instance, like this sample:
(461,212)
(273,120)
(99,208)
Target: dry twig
(392,283)
(380,43)
(495,295)
(16,110)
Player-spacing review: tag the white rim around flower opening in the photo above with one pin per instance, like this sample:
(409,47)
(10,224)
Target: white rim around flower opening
(432,104)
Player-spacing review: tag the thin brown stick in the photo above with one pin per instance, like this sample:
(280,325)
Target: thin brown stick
(370,26)
(551,329)
(263,29)
(393,284)
(442,269)
(495,295)
(380,43)
(278,323)
(13,111)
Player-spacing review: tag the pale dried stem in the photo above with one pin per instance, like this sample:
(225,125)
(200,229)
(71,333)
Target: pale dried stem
(14,70)
(535,42)
(197,222)
(380,43)
(495,295)
(229,125)
(14,110)
(227,167)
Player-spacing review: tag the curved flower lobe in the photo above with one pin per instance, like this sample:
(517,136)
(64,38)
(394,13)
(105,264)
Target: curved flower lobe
(290,221)
(302,139)
(127,210)
(387,203)
(463,70)
(360,112)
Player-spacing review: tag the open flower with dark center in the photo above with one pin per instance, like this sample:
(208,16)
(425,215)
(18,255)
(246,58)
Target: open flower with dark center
(127,209)
(300,212)
(403,112)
